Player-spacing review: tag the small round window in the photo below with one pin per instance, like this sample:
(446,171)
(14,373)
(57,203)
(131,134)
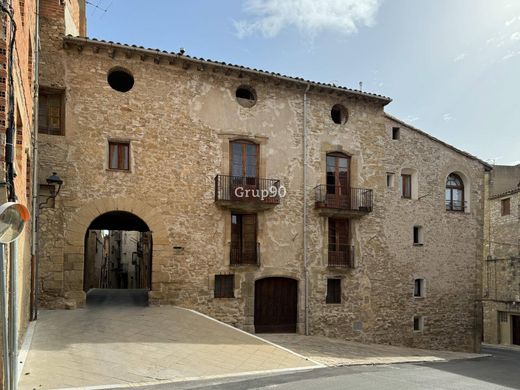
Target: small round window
(246,96)
(339,114)
(120,79)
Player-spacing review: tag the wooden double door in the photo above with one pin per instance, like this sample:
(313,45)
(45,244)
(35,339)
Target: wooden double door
(276,305)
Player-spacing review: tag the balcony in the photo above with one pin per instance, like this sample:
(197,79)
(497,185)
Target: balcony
(455,205)
(335,201)
(341,257)
(246,193)
(244,257)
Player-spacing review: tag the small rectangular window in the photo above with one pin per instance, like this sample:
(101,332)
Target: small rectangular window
(51,111)
(333,291)
(396,133)
(506,206)
(417,235)
(224,286)
(418,291)
(418,323)
(406,186)
(390,177)
(119,155)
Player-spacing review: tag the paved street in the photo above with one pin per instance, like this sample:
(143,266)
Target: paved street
(117,341)
(501,371)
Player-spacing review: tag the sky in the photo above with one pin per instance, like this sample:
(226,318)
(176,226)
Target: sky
(452,67)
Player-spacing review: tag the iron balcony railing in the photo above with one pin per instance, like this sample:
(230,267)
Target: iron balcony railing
(455,205)
(247,189)
(336,197)
(341,256)
(243,256)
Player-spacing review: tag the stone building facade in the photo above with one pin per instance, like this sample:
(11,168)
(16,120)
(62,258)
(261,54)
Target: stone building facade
(362,242)
(501,277)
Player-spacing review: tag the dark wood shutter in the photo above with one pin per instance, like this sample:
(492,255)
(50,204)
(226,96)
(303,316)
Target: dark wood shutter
(243,239)
(339,238)
(333,291)
(50,113)
(506,206)
(224,286)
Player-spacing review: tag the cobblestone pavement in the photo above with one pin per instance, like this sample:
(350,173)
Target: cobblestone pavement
(336,352)
(101,346)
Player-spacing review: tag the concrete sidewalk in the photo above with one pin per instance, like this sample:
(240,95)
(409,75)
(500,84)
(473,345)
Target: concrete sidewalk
(336,352)
(129,345)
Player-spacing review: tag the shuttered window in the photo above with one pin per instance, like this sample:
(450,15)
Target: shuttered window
(50,114)
(506,206)
(224,286)
(243,239)
(333,291)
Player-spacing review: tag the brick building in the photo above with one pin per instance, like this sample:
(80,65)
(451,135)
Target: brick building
(22,29)
(376,234)
(501,282)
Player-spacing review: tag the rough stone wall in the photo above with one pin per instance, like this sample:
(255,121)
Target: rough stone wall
(378,294)
(179,121)
(501,277)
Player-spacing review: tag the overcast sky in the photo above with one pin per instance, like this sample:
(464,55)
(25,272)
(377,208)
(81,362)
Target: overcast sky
(452,67)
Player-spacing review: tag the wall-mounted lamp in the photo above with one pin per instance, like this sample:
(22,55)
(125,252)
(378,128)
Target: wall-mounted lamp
(55,182)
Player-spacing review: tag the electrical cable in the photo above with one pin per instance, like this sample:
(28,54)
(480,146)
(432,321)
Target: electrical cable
(10,131)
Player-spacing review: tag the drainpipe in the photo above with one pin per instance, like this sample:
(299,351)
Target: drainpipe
(13,314)
(5,322)
(305,163)
(35,208)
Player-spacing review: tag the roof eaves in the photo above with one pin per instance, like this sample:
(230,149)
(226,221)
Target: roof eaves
(85,40)
(466,154)
(505,193)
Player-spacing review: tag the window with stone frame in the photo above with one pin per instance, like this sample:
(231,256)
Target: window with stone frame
(418,291)
(119,155)
(505,206)
(418,323)
(454,193)
(333,290)
(51,111)
(224,286)
(406,186)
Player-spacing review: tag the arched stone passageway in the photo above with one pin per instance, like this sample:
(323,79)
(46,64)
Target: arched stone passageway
(100,213)
(118,253)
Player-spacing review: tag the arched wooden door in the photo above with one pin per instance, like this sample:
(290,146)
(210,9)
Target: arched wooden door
(276,305)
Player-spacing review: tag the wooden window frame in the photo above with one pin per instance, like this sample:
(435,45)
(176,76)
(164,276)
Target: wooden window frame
(450,206)
(333,291)
(244,144)
(120,162)
(224,286)
(406,190)
(44,92)
(505,207)
(242,254)
(338,189)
